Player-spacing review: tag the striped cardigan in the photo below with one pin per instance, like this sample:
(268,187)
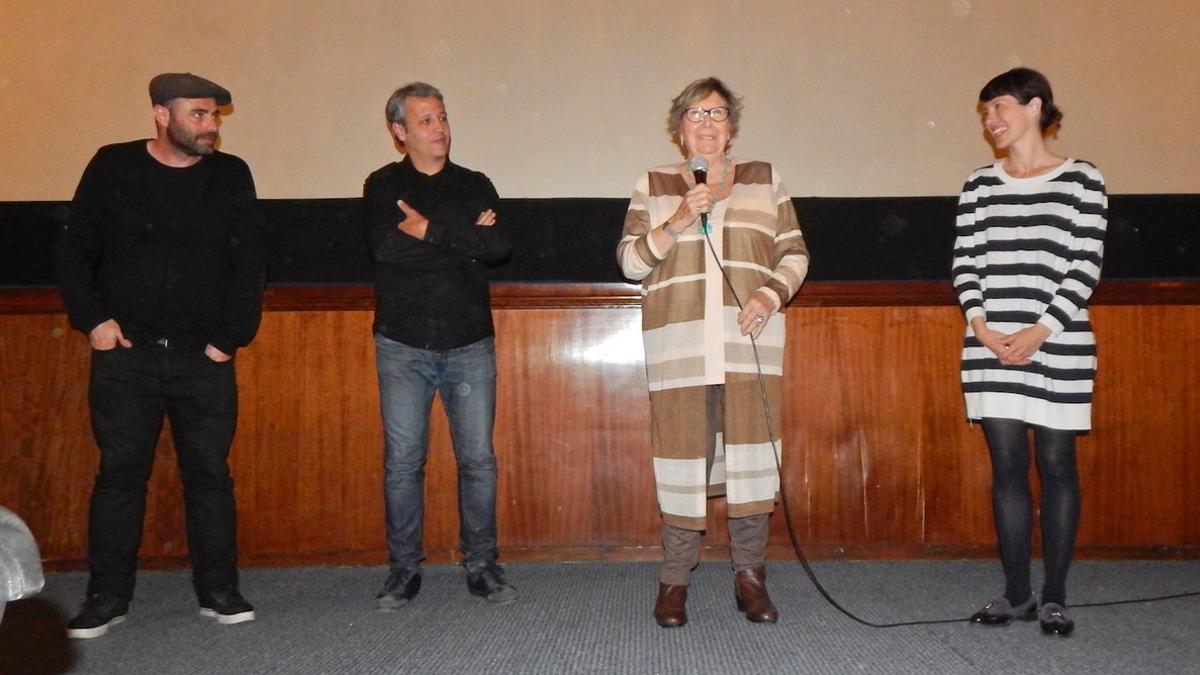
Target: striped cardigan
(763,250)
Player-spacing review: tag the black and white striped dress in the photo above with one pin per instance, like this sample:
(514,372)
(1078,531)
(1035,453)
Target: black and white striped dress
(1029,250)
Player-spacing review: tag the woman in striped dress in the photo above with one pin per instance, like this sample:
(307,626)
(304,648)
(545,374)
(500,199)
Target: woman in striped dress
(1030,236)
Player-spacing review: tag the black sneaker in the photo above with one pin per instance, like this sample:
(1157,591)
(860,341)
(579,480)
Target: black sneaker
(226,605)
(488,582)
(99,611)
(400,587)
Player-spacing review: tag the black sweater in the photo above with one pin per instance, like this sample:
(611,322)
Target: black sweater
(432,293)
(167,252)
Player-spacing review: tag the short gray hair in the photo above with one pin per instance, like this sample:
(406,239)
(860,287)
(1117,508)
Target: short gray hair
(395,104)
(697,91)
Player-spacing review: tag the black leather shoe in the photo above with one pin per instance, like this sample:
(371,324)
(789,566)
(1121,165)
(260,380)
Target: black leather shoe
(99,611)
(488,582)
(750,590)
(1054,620)
(999,612)
(400,587)
(226,605)
(669,609)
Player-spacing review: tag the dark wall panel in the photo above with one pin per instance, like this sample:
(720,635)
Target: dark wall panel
(319,241)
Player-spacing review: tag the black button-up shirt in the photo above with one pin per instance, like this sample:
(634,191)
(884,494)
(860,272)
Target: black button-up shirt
(432,293)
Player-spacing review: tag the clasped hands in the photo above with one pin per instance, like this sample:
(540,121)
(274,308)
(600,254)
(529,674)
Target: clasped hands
(1015,349)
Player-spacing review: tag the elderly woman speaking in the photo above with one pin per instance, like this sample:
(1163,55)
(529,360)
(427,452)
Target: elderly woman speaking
(715,242)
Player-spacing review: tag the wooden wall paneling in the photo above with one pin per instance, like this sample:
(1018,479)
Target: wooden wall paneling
(47,453)
(878,458)
(1139,465)
(825,417)
(955,472)
(1187,412)
(307,457)
(861,385)
(573,429)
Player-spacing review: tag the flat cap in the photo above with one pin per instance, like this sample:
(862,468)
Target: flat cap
(167,86)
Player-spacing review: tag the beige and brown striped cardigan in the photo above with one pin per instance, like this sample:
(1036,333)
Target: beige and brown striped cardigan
(763,250)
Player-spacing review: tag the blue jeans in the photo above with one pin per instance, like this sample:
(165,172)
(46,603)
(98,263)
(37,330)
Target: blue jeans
(466,379)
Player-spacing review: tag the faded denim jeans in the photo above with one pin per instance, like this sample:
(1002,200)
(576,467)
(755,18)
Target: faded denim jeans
(466,379)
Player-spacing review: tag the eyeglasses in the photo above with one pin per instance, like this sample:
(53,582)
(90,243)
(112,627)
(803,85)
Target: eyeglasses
(718,114)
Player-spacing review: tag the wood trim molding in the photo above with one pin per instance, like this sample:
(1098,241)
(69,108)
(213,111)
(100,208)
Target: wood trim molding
(542,554)
(360,297)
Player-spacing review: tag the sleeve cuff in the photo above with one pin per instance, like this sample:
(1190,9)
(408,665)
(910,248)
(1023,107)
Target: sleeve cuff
(653,249)
(1053,324)
(776,302)
(226,345)
(89,323)
(431,232)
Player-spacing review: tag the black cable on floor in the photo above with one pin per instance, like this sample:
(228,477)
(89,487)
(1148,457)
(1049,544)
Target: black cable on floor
(1134,601)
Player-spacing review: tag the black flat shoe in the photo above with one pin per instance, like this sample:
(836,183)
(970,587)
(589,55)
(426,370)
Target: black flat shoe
(999,612)
(1054,620)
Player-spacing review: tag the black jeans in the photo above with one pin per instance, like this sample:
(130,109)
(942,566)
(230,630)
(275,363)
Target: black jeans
(130,392)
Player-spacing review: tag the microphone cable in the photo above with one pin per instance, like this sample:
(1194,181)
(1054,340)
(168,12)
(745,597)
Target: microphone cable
(787,513)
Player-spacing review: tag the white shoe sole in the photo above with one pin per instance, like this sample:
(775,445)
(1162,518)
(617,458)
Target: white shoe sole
(390,604)
(498,597)
(227,619)
(89,633)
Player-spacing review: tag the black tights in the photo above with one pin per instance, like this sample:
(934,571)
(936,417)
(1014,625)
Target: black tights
(1012,504)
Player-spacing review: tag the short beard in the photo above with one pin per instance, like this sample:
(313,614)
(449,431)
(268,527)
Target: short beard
(188,143)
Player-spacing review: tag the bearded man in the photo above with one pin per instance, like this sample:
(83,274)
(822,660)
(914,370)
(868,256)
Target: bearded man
(160,266)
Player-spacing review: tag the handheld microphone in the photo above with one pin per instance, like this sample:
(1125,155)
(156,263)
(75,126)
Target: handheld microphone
(699,167)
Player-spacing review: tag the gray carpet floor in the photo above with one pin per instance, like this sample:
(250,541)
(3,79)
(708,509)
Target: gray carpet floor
(595,617)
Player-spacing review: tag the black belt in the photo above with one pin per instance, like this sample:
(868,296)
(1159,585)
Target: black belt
(169,344)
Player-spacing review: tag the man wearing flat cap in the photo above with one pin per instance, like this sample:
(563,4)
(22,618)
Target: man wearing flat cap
(160,266)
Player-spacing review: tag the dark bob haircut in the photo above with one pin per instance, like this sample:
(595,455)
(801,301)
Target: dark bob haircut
(1024,84)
